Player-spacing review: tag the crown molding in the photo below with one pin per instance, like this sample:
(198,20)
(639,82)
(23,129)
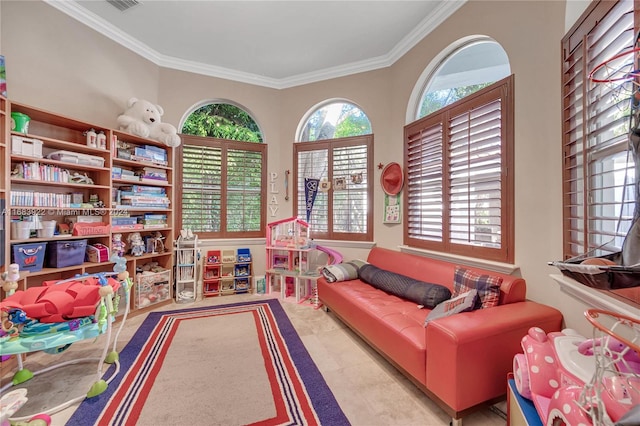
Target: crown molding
(445,9)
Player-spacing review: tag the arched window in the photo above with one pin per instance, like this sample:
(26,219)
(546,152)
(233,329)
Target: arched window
(459,155)
(476,64)
(223,173)
(334,160)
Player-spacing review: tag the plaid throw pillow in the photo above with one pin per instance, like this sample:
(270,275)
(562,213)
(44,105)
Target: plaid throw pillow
(488,286)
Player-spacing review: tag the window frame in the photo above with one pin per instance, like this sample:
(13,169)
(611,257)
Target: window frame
(330,145)
(224,145)
(578,219)
(504,91)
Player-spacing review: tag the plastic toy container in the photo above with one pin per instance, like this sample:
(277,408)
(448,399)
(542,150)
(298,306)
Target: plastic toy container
(66,253)
(20,122)
(29,257)
(152,288)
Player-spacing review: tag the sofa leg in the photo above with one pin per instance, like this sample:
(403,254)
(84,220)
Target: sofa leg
(455,422)
(325,308)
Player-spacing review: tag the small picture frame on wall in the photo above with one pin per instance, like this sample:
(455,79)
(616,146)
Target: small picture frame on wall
(392,209)
(339,184)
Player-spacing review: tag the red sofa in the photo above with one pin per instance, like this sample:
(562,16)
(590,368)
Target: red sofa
(461,361)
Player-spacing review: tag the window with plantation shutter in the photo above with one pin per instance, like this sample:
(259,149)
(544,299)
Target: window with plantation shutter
(223,187)
(344,211)
(599,180)
(459,163)
(598,177)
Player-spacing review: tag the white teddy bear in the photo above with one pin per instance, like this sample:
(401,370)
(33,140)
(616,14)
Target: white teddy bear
(142,118)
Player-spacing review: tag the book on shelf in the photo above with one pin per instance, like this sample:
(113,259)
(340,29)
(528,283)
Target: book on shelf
(155,226)
(137,226)
(143,189)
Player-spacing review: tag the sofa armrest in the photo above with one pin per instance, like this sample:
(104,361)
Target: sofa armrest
(469,354)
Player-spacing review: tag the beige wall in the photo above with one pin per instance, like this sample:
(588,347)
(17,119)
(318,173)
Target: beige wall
(62,65)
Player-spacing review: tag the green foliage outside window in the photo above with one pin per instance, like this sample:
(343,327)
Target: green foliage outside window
(222,121)
(438,99)
(202,188)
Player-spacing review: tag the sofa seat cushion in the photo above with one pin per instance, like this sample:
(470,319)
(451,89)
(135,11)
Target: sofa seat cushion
(423,293)
(394,325)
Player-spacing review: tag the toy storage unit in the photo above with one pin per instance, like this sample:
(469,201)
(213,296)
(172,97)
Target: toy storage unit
(187,255)
(152,288)
(227,272)
(211,273)
(59,176)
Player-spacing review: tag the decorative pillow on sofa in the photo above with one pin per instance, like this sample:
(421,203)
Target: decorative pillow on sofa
(420,292)
(488,286)
(463,303)
(342,271)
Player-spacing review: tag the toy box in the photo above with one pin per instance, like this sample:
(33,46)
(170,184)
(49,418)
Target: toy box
(27,147)
(228,256)
(61,254)
(29,257)
(152,288)
(97,253)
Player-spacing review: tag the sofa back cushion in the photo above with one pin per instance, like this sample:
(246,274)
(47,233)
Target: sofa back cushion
(512,289)
(423,293)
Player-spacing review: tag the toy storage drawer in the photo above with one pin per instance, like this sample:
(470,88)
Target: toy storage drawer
(152,288)
(29,257)
(61,254)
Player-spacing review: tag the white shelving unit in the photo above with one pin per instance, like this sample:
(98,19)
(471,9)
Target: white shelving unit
(187,254)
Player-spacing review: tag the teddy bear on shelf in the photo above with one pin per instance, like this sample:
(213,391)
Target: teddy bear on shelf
(136,243)
(142,118)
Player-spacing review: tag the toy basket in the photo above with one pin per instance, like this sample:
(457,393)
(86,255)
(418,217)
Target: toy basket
(98,228)
(602,277)
(152,288)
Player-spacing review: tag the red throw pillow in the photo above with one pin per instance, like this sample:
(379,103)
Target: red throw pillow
(488,286)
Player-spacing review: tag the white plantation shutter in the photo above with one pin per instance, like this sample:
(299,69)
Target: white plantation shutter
(460,190)
(350,205)
(598,178)
(475,175)
(201,188)
(244,200)
(342,214)
(424,183)
(223,187)
(313,164)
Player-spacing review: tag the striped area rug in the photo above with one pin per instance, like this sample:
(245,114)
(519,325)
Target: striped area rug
(233,364)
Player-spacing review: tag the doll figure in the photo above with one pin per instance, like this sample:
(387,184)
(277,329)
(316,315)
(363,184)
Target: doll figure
(136,244)
(118,247)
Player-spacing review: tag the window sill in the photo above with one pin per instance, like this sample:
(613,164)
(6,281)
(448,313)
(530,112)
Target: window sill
(503,268)
(592,297)
(233,241)
(346,244)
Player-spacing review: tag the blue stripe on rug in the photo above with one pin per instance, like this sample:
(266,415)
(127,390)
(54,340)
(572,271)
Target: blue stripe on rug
(322,399)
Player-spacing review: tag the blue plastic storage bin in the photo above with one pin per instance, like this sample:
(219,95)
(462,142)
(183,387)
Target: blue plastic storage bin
(29,256)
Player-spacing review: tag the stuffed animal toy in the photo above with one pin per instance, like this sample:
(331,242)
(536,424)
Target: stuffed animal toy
(142,118)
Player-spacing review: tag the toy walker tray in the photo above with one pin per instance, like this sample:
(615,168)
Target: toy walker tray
(602,277)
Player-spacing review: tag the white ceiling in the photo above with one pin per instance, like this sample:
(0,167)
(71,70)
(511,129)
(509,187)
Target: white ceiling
(275,44)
